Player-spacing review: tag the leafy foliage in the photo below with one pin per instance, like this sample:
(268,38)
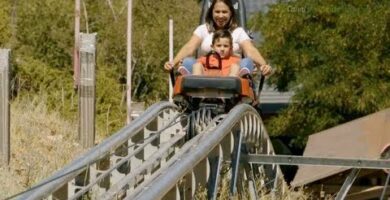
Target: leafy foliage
(45,31)
(42,53)
(150,40)
(149,50)
(43,45)
(5,29)
(335,56)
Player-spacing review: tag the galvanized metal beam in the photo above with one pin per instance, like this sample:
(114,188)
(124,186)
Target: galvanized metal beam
(4,107)
(201,148)
(347,184)
(385,187)
(251,181)
(306,160)
(165,169)
(160,179)
(215,160)
(235,162)
(87,90)
(69,172)
(146,167)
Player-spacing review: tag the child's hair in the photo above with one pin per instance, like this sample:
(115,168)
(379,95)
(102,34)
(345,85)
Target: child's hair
(222,34)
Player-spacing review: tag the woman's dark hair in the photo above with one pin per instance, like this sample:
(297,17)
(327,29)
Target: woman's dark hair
(231,25)
(222,34)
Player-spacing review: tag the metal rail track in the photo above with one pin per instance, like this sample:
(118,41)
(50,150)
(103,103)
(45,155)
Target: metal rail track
(107,163)
(199,162)
(152,154)
(155,157)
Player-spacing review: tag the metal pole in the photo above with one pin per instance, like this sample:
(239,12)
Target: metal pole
(4,107)
(311,160)
(170,57)
(347,184)
(128,59)
(87,89)
(76,58)
(385,187)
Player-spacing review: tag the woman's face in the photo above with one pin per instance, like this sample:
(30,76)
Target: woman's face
(221,14)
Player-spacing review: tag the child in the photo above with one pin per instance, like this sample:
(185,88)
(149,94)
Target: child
(222,43)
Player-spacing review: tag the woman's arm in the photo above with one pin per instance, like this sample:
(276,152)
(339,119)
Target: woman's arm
(187,50)
(251,52)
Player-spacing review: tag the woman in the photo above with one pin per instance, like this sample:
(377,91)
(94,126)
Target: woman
(220,16)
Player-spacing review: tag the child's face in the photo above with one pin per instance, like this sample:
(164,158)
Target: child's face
(222,46)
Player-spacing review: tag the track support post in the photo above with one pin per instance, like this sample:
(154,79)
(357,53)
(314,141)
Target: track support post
(347,184)
(4,107)
(235,162)
(87,90)
(215,160)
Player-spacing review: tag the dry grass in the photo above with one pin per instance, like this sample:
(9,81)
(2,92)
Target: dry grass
(224,192)
(283,192)
(41,143)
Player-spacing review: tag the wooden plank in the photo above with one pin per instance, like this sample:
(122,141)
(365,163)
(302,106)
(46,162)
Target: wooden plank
(4,107)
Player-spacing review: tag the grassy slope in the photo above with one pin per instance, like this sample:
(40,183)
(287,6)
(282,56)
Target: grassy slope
(41,143)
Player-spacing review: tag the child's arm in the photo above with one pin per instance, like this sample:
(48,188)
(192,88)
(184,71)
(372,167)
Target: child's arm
(234,69)
(234,65)
(197,69)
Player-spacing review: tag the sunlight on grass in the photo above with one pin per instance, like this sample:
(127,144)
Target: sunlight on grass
(41,143)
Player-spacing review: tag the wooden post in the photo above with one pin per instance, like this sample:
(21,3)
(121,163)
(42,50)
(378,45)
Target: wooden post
(76,58)
(4,107)
(170,27)
(87,90)
(128,60)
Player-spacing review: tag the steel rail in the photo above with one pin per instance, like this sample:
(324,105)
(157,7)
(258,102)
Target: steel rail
(385,187)
(69,172)
(123,161)
(161,185)
(130,179)
(176,158)
(308,160)
(347,184)
(185,149)
(140,147)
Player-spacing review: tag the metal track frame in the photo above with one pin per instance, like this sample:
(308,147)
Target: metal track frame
(240,131)
(355,164)
(152,137)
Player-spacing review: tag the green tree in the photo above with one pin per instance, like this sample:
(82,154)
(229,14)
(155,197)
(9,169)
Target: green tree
(45,31)
(335,56)
(42,52)
(150,39)
(150,49)
(5,23)
(44,45)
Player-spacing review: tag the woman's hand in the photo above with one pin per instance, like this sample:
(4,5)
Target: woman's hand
(266,69)
(168,66)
